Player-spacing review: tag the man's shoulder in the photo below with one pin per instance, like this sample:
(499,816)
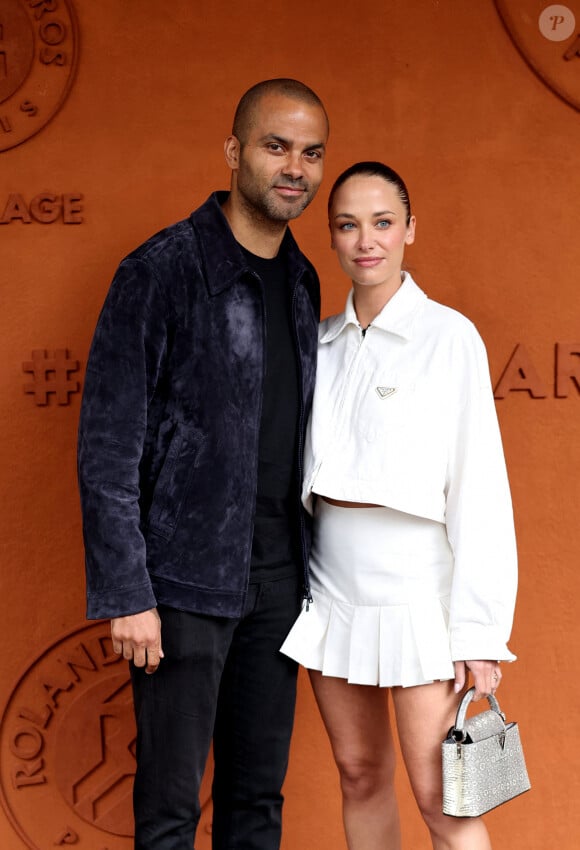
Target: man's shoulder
(166,241)
(177,239)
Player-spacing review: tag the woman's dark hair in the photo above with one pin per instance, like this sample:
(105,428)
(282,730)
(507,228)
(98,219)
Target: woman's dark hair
(373,169)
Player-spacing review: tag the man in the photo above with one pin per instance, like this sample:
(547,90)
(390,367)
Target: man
(196,396)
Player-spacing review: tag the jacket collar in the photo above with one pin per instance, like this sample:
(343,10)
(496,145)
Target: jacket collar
(224,262)
(397,316)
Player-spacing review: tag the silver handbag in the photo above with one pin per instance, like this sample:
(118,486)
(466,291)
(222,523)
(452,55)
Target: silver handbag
(483,761)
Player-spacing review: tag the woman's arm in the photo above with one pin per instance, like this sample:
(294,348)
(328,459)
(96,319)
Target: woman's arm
(479,518)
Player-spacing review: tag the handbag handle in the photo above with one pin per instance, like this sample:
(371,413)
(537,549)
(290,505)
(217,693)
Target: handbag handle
(462,711)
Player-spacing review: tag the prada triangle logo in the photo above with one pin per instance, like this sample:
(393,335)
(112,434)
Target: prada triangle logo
(385,392)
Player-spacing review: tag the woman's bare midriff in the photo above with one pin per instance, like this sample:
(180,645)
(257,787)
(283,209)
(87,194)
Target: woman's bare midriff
(341,504)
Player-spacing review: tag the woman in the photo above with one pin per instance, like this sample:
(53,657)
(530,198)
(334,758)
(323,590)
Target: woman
(414,561)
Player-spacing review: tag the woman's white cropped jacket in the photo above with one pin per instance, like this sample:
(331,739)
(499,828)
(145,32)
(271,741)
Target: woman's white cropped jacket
(404,416)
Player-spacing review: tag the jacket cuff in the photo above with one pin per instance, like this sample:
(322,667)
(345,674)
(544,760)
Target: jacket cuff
(475,642)
(120,602)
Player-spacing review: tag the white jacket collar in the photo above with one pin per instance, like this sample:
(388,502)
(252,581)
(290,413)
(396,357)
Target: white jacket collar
(396,317)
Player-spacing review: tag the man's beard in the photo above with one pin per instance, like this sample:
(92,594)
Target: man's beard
(265,206)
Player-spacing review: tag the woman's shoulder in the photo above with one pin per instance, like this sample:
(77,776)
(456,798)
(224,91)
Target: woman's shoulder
(449,320)
(449,330)
(455,337)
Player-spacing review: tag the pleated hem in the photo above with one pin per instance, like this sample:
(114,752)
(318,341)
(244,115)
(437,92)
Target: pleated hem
(386,645)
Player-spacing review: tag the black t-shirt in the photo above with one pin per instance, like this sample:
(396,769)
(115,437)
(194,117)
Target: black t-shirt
(276,528)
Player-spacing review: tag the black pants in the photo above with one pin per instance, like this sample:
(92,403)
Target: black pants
(224,678)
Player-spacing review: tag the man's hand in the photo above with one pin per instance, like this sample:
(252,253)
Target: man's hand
(138,638)
(486,677)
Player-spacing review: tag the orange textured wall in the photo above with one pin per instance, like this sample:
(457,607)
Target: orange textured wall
(492,157)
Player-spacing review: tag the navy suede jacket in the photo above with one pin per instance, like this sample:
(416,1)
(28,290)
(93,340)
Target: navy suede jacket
(170,420)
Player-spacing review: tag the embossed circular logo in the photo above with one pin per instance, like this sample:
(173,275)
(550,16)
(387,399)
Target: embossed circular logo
(547,36)
(67,749)
(38,58)
(67,744)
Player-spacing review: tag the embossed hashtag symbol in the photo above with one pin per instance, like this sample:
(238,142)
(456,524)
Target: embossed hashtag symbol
(51,375)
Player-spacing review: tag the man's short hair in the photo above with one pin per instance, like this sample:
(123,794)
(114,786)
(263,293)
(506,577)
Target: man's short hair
(282,86)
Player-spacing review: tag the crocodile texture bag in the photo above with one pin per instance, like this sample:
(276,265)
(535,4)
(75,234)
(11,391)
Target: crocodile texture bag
(483,761)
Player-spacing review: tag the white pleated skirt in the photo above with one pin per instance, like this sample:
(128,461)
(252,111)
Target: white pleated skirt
(380,581)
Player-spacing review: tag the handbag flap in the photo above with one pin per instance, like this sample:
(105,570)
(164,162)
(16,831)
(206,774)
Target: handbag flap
(484,725)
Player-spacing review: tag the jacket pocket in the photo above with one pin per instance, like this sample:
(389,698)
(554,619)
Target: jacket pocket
(174,481)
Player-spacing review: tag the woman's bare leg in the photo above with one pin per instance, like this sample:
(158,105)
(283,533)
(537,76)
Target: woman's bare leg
(357,721)
(424,716)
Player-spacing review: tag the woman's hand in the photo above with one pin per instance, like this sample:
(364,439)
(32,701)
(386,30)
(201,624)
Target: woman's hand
(486,677)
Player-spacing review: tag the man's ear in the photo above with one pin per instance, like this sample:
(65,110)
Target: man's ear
(232,152)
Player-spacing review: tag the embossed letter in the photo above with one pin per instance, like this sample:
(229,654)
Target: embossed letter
(29,108)
(28,774)
(72,209)
(45,208)
(3,61)
(520,374)
(15,209)
(81,661)
(567,367)
(41,720)
(68,836)
(26,743)
(42,6)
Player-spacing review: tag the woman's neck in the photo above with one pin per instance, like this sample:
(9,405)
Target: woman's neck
(370,300)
